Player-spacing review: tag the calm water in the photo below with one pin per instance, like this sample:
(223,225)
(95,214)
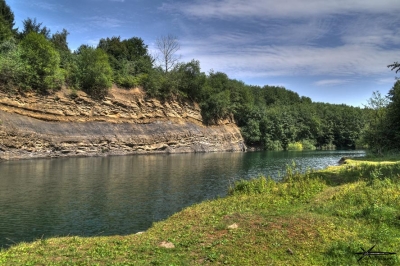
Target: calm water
(124,195)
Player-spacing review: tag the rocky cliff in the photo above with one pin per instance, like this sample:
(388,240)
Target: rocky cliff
(125,122)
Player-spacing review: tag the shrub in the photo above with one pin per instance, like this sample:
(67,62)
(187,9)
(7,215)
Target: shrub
(94,71)
(297,146)
(12,68)
(273,145)
(308,145)
(42,63)
(253,186)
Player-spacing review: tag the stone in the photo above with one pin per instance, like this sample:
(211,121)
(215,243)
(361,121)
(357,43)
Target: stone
(233,226)
(166,244)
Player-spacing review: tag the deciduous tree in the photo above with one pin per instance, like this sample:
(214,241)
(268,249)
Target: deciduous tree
(42,61)
(168,46)
(94,71)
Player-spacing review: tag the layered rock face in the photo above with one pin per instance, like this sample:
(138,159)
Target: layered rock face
(72,124)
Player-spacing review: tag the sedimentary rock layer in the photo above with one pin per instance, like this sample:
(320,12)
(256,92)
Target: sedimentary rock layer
(65,124)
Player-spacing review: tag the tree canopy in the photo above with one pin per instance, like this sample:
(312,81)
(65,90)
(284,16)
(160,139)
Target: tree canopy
(7,23)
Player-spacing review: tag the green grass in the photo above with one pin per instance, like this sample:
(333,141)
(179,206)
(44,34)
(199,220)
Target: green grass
(316,218)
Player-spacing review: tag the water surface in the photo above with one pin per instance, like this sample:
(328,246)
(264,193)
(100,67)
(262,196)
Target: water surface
(125,194)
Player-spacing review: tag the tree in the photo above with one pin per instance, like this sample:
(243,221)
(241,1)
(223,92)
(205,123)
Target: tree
(6,22)
(216,107)
(129,60)
(12,68)
(33,26)
(59,39)
(168,46)
(191,79)
(393,116)
(94,71)
(42,61)
(251,132)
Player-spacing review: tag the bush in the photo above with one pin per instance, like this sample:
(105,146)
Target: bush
(308,145)
(216,107)
(42,63)
(273,145)
(12,68)
(94,71)
(253,186)
(297,146)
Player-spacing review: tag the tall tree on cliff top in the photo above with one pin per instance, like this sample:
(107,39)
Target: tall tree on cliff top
(168,46)
(6,22)
(31,25)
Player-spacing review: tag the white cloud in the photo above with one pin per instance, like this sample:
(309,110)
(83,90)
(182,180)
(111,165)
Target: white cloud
(104,22)
(48,6)
(331,82)
(249,59)
(386,81)
(330,44)
(224,9)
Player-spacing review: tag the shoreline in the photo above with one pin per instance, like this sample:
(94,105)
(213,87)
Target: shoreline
(259,222)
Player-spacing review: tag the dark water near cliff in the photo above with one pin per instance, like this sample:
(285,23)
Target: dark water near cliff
(124,195)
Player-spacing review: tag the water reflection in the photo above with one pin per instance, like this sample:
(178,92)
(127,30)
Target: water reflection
(124,195)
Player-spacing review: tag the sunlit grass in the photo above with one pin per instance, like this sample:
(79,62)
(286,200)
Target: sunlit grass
(316,218)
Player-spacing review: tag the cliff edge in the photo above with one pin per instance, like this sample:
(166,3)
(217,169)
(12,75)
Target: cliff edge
(72,124)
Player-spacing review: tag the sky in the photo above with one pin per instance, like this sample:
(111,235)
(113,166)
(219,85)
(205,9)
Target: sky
(334,51)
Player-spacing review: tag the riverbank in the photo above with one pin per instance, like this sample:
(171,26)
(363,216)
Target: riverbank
(317,218)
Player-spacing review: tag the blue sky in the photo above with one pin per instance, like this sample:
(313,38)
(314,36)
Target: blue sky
(332,51)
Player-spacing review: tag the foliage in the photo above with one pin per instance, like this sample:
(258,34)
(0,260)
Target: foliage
(12,68)
(393,116)
(190,79)
(383,132)
(308,144)
(42,62)
(216,107)
(394,66)
(374,135)
(129,59)
(7,30)
(33,26)
(59,40)
(94,71)
(296,146)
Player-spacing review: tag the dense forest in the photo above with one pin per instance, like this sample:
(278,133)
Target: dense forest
(270,117)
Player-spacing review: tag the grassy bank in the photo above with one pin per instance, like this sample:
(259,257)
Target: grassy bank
(317,218)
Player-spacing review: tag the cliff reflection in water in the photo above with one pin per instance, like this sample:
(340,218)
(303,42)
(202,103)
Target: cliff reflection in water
(124,195)
(105,196)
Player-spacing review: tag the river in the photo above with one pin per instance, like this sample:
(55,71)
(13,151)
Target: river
(125,194)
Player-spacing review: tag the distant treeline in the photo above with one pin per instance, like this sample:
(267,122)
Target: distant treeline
(270,117)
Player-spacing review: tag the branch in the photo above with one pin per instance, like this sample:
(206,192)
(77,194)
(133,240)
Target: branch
(394,66)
